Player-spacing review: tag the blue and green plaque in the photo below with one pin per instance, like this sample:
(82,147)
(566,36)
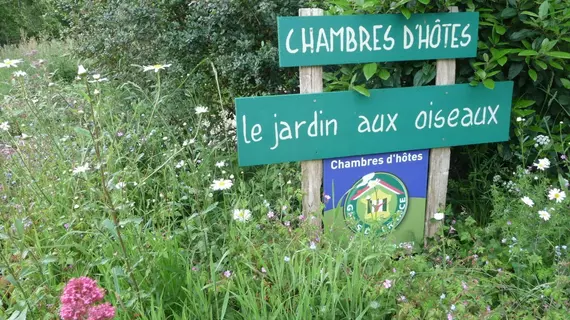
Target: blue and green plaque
(381,195)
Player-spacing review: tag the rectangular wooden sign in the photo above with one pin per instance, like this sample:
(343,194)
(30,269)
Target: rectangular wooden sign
(330,40)
(297,127)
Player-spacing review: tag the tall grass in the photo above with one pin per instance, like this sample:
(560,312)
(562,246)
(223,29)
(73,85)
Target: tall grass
(142,218)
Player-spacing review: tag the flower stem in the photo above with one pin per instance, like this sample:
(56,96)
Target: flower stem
(95,135)
(17,284)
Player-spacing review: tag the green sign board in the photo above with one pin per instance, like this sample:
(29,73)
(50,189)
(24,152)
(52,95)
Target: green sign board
(298,127)
(330,40)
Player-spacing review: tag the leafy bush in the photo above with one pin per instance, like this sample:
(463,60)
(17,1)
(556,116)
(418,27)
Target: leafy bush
(26,18)
(238,37)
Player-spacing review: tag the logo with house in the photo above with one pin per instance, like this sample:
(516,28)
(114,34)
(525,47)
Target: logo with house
(376,203)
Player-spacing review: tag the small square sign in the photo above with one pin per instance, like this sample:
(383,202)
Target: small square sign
(381,194)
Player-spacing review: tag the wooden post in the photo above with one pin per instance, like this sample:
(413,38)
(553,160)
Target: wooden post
(311,81)
(439,158)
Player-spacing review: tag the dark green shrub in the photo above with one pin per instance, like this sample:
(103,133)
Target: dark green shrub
(26,19)
(238,37)
(63,68)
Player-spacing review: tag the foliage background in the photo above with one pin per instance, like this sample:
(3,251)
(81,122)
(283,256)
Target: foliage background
(25,19)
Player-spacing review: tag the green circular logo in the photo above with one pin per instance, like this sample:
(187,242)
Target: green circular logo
(377,203)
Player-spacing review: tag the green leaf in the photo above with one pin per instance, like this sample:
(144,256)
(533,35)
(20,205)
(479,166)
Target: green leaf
(529,13)
(499,53)
(526,53)
(523,112)
(481,74)
(547,45)
(532,74)
(556,65)
(329,76)
(369,70)
(508,13)
(515,69)
(82,132)
(49,259)
(368,4)
(362,90)
(210,208)
(108,224)
(489,84)
(524,103)
(500,29)
(134,220)
(502,61)
(384,74)
(541,64)
(19,227)
(543,10)
(536,129)
(19,315)
(521,34)
(558,54)
(406,12)
(562,181)
(565,83)
(424,1)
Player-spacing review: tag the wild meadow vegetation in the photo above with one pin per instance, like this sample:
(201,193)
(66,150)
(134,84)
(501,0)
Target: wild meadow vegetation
(121,196)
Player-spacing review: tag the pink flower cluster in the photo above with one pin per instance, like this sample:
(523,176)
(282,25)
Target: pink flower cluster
(78,299)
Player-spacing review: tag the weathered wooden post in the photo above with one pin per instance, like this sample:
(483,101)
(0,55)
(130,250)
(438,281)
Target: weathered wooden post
(439,158)
(311,81)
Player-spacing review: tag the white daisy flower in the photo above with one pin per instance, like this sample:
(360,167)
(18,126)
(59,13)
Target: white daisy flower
(156,67)
(97,78)
(544,215)
(242,215)
(528,201)
(81,70)
(201,109)
(556,194)
(220,164)
(4,126)
(7,63)
(81,169)
(221,184)
(543,164)
(20,73)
